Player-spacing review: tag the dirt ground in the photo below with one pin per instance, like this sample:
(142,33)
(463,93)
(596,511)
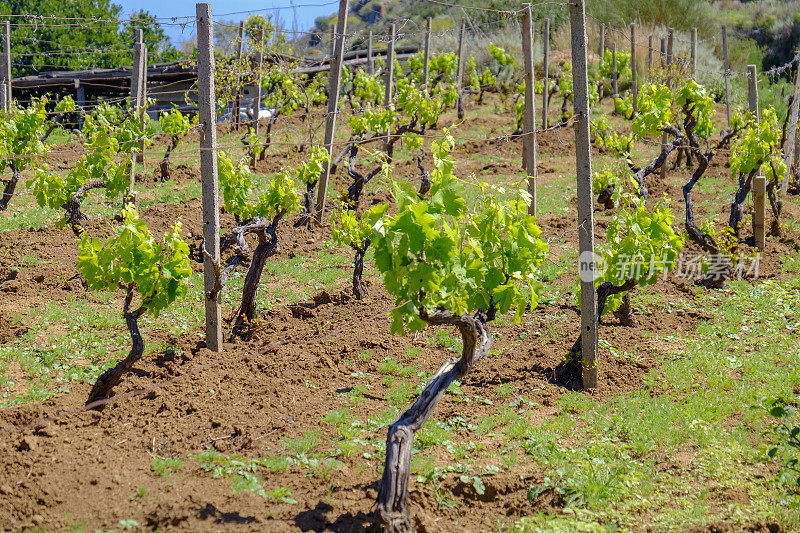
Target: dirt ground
(61,463)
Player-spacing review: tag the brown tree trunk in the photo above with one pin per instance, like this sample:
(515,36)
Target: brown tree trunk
(165,160)
(392,507)
(111,377)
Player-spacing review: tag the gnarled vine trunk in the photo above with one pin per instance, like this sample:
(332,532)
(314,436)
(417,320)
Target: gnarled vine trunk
(392,507)
(111,377)
(358,270)
(267,247)
(11,186)
(164,167)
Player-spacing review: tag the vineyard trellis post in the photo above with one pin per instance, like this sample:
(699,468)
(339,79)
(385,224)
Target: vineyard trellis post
(387,97)
(5,67)
(370,60)
(663,54)
(208,172)
(726,65)
(238,105)
(601,52)
(334,83)
(427,52)
(80,97)
(259,74)
(752,90)
(333,42)
(791,151)
(694,52)
(614,75)
(546,73)
(142,101)
(634,82)
(460,71)
(667,56)
(759,181)
(136,86)
(583,167)
(649,54)
(528,123)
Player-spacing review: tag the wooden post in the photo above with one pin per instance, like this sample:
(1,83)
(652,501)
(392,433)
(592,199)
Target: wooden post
(649,54)
(752,90)
(694,52)
(5,66)
(389,83)
(207,101)
(546,74)
(80,99)
(634,81)
(614,75)
(333,41)
(602,52)
(528,123)
(602,49)
(670,43)
(370,59)
(727,74)
(427,53)
(387,97)
(583,167)
(334,82)
(759,182)
(136,86)
(663,51)
(237,110)
(142,101)
(759,215)
(791,153)
(460,72)
(260,63)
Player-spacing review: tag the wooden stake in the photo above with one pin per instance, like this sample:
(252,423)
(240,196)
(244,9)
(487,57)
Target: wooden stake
(5,66)
(759,215)
(427,53)
(333,41)
(752,90)
(791,153)
(546,77)
(334,82)
(136,86)
(142,102)
(239,52)
(663,51)
(670,43)
(614,76)
(460,72)
(649,54)
(727,74)
(259,74)
(528,123)
(694,52)
(208,170)
(602,52)
(602,49)
(583,167)
(387,99)
(634,81)
(370,59)
(80,99)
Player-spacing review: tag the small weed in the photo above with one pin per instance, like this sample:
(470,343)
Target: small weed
(164,466)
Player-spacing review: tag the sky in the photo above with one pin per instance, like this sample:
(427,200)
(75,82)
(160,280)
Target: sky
(301,17)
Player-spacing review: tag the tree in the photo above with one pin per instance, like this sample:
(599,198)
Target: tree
(95,35)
